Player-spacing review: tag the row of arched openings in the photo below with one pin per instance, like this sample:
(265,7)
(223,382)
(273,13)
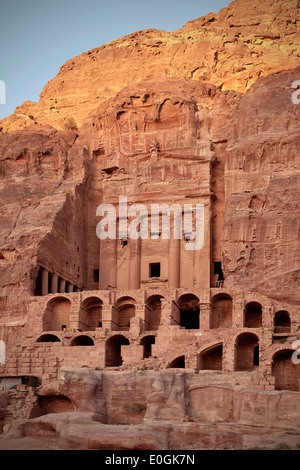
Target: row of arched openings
(246,355)
(57,314)
(113,357)
(285,371)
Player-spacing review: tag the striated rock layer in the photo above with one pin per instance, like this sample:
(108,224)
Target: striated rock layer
(260,238)
(231,49)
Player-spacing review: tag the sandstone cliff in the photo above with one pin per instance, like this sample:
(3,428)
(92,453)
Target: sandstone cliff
(33,194)
(218,92)
(231,49)
(260,238)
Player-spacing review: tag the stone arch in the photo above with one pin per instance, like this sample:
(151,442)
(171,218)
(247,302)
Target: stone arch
(57,314)
(48,338)
(189,311)
(282,322)
(147,342)
(211,358)
(113,356)
(52,404)
(82,340)
(177,363)
(2,352)
(221,313)
(90,314)
(246,352)
(153,312)
(253,315)
(125,307)
(285,371)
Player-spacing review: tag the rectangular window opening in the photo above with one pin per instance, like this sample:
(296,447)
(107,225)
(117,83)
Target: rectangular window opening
(218,270)
(96,275)
(154,270)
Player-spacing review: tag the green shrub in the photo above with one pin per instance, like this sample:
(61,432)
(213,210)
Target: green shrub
(282,446)
(69,124)
(134,407)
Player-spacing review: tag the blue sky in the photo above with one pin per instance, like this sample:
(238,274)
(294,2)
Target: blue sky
(37,37)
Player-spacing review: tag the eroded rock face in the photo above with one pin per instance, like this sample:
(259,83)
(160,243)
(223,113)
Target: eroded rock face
(232,147)
(175,413)
(33,192)
(231,49)
(261,231)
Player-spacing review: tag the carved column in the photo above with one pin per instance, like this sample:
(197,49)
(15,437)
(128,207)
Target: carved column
(108,264)
(70,287)
(109,318)
(135,264)
(62,285)
(205,314)
(45,281)
(54,283)
(174,264)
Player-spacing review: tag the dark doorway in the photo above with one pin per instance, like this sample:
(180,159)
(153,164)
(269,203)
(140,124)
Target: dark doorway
(218,271)
(286,373)
(38,283)
(147,342)
(178,363)
(189,312)
(211,359)
(253,315)
(113,345)
(246,352)
(51,404)
(256,356)
(82,340)
(48,338)
(282,322)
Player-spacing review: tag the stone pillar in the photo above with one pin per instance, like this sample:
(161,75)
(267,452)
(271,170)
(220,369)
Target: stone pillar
(146,325)
(203,256)
(54,283)
(136,326)
(229,354)
(135,264)
(238,312)
(267,315)
(70,287)
(205,314)
(62,285)
(166,312)
(111,315)
(174,264)
(45,281)
(75,314)
(108,264)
